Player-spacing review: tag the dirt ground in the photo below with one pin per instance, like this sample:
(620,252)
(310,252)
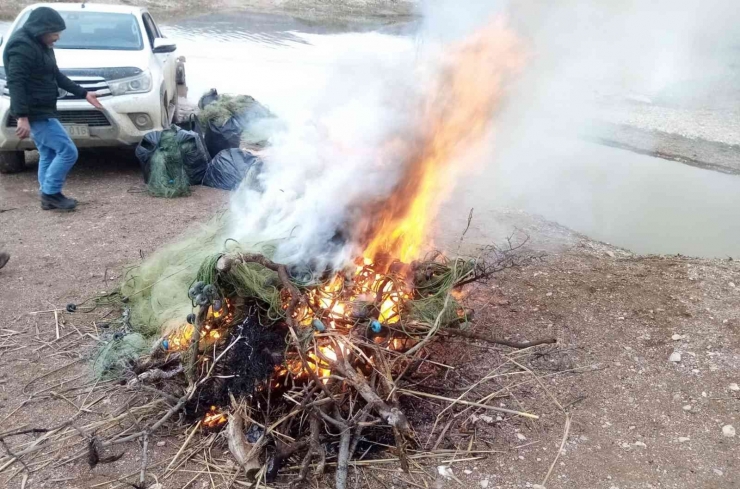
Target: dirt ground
(638,420)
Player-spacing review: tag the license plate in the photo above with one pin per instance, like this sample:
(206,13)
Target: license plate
(77,131)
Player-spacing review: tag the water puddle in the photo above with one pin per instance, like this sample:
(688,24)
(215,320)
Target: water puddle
(641,203)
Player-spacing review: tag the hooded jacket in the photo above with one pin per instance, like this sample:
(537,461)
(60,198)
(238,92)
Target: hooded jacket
(31,68)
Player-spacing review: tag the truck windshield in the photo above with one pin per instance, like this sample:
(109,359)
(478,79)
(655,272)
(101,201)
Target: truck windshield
(99,30)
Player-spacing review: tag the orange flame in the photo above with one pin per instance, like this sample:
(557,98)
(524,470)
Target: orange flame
(181,338)
(214,418)
(456,116)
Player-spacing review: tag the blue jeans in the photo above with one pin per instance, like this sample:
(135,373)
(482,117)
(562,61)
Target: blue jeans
(57,154)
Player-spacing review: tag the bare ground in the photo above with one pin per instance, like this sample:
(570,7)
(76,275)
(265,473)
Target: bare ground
(638,420)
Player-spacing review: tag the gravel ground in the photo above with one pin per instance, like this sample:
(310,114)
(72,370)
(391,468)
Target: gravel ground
(717,125)
(638,419)
(703,137)
(355,11)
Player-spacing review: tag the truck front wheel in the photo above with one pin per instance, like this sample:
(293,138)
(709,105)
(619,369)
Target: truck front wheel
(12,161)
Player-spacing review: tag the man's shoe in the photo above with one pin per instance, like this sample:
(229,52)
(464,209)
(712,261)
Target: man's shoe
(57,201)
(4,257)
(41,194)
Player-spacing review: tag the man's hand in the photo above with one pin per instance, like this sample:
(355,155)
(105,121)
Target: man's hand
(92,99)
(24,128)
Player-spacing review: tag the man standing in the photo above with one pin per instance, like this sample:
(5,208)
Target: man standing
(34,81)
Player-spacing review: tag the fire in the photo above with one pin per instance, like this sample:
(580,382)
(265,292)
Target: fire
(180,340)
(182,337)
(214,418)
(354,296)
(455,117)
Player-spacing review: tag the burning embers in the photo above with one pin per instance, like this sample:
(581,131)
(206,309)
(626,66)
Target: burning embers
(214,418)
(331,351)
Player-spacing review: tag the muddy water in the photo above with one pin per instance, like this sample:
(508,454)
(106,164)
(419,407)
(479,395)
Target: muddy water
(644,204)
(641,203)
(280,61)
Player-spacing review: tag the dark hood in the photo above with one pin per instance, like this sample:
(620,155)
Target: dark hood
(44,20)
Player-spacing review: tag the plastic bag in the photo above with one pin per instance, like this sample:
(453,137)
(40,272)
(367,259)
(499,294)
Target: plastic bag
(227,170)
(209,97)
(233,120)
(193,152)
(226,136)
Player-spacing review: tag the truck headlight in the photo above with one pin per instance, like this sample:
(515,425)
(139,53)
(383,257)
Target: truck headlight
(136,84)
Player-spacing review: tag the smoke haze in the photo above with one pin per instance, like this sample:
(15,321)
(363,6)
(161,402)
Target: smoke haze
(341,147)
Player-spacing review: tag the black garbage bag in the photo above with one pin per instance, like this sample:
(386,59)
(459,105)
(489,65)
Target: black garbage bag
(209,97)
(227,170)
(233,120)
(219,137)
(189,145)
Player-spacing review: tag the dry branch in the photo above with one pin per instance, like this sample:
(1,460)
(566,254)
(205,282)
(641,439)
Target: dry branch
(239,447)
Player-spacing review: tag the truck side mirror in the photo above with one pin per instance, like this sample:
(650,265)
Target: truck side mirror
(162,45)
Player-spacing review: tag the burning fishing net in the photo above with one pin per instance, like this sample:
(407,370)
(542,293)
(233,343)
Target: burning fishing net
(306,355)
(336,348)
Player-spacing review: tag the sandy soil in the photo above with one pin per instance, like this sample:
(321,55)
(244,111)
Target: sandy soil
(638,420)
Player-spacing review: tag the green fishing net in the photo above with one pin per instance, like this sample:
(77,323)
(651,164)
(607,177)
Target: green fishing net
(228,106)
(167,174)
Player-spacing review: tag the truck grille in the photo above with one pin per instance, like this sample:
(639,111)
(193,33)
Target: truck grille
(91,118)
(89,83)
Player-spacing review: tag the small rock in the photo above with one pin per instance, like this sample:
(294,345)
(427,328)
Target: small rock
(521,437)
(538,486)
(732,284)
(640,444)
(621,318)
(677,337)
(683,439)
(484,483)
(687,407)
(718,472)
(675,357)
(468,472)
(734,387)
(728,430)
(704,394)
(445,471)
(161,443)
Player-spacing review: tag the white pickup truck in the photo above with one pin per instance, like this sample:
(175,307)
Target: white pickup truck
(116,51)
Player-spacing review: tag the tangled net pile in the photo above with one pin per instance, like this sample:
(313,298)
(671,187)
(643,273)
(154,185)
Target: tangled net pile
(307,365)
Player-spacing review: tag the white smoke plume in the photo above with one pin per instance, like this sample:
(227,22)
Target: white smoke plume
(349,148)
(329,158)
(335,154)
